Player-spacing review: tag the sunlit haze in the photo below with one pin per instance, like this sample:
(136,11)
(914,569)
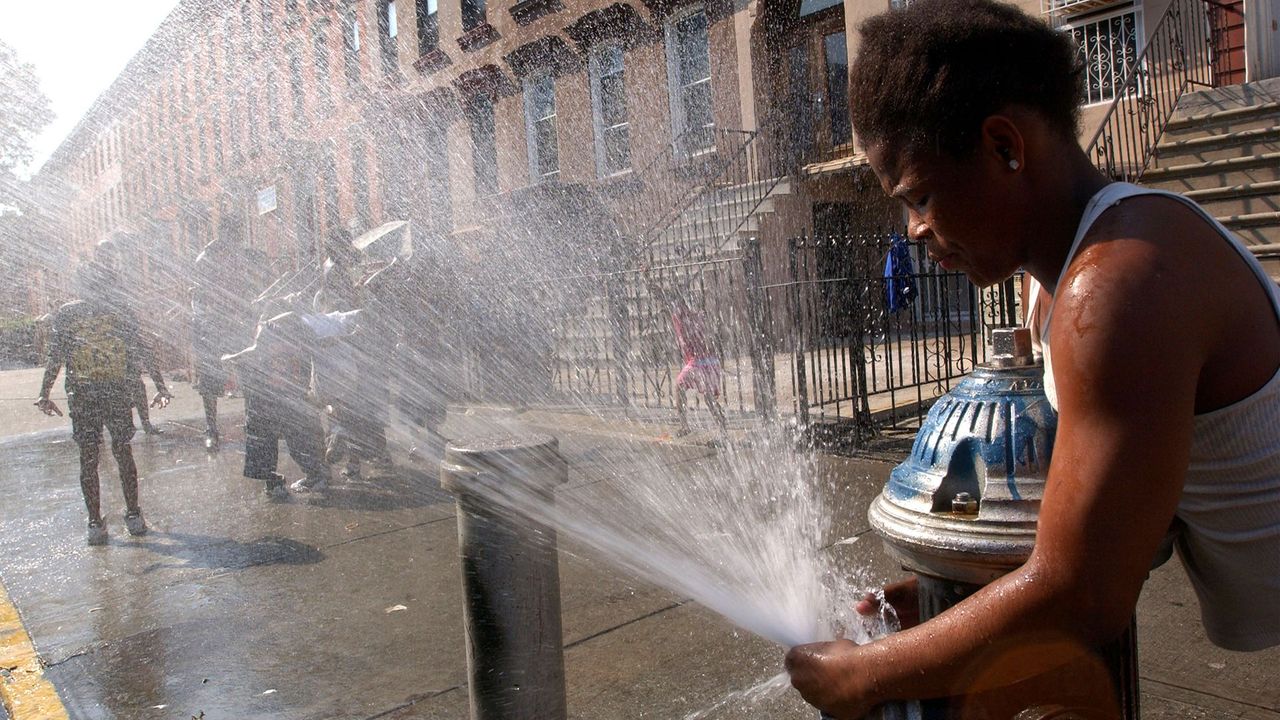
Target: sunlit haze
(77,48)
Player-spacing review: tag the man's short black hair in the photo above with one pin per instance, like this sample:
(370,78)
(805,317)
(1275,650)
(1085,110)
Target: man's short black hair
(927,75)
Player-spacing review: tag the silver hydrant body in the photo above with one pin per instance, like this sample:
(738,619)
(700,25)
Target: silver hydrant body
(961,511)
(510,575)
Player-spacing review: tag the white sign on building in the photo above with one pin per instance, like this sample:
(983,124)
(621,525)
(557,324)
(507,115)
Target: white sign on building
(266,200)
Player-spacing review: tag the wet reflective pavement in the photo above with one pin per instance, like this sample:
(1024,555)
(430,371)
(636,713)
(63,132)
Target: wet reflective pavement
(348,605)
(345,605)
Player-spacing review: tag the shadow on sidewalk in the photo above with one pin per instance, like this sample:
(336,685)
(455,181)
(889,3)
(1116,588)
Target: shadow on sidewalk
(206,551)
(407,487)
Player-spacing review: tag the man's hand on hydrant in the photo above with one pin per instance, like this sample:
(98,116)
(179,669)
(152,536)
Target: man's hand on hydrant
(826,676)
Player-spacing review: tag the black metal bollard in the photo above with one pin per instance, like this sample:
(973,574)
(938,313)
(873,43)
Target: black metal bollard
(510,577)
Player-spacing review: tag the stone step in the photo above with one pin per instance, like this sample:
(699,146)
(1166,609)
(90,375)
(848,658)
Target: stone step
(1227,97)
(1269,256)
(1242,206)
(1222,122)
(1258,141)
(1232,192)
(1216,173)
(1257,230)
(1252,220)
(1239,199)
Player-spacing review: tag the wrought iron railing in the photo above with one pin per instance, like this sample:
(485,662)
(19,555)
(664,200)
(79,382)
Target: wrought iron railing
(1179,55)
(869,348)
(691,205)
(676,181)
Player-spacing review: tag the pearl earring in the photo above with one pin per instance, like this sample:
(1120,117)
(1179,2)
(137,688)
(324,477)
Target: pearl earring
(1013,164)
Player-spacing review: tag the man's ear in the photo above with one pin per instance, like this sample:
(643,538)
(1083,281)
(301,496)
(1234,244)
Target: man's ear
(1002,142)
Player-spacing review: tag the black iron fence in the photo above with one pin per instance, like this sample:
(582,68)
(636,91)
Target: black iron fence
(868,332)
(852,334)
(610,338)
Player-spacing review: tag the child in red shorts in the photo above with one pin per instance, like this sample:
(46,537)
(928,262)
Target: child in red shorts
(701,371)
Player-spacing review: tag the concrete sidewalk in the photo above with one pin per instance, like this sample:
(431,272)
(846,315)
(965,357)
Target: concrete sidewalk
(237,608)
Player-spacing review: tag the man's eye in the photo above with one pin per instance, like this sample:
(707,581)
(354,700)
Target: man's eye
(920,204)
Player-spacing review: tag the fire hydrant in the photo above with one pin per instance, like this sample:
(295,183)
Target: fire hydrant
(961,511)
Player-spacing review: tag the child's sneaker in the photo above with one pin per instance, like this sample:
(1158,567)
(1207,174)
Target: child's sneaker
(275,488)
(135,523)
(306,485)
(211,442)
(97,533)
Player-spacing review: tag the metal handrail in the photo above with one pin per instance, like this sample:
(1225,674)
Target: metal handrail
(1169,64)
(674,199)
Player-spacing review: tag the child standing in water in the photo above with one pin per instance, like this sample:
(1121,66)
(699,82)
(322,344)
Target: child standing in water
(701,371)
(96,338)
(1161,340)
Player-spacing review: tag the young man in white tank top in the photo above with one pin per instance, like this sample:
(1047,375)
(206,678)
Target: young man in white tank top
(1163,338)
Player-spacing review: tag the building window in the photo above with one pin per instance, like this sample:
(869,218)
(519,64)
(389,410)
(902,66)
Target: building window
(246,20)
(428,25)
(329,178)
(273,99)
(233,127)
(1108,50)
(441,200)
(837,60)
(484,148)
(689,78)
(228,48)
(609,110)
(296,86)
(202,133)
(812,7)
(214,80)
(360,182)
(253,121)
(540,126)
(351,46)
(320,46)
(473,14)
(388,30)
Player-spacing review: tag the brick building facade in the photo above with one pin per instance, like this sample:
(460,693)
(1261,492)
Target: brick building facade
(280,120)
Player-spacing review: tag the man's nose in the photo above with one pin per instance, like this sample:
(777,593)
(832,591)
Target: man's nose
(917,229)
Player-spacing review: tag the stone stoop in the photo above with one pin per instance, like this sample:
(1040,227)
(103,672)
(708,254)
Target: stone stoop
(1222,149)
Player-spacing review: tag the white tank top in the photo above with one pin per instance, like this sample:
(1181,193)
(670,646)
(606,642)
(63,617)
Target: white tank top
(1230,503)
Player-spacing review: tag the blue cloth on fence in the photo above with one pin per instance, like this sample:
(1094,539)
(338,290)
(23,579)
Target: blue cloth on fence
(899,275)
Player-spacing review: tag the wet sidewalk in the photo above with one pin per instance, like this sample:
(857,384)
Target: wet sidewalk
(349,605)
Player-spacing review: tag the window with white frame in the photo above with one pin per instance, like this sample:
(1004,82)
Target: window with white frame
(389,29)
(1108,48)
(609,110)
(351,45)
(484,149)
(428,15)
(689,80)
(473,14)
(540,126)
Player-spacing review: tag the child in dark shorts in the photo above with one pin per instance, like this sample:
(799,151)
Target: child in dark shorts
(96,339)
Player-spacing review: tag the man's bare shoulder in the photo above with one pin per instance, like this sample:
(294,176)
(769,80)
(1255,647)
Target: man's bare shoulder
(1138,303)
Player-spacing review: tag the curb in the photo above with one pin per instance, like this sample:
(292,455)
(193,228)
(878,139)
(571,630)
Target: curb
(24,690)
